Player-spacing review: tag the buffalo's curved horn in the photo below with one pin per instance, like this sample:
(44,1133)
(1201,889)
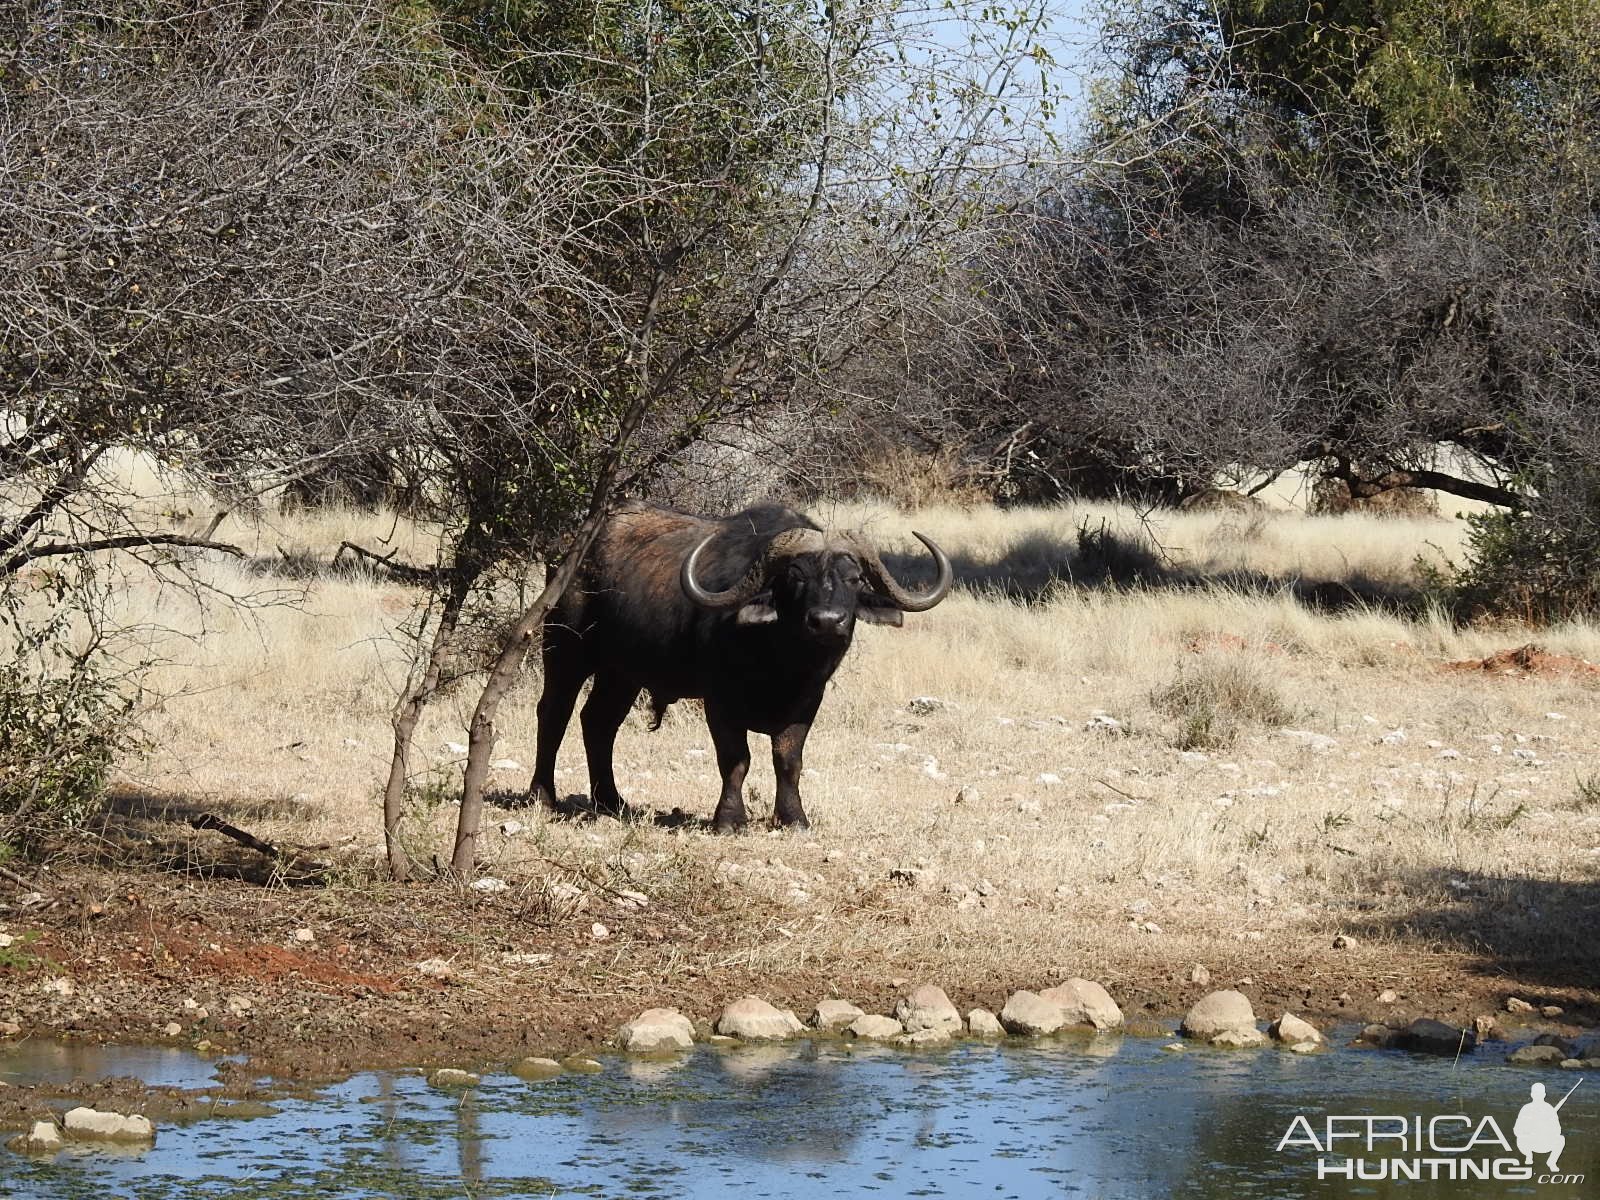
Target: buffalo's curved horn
(906,601)
(784,545)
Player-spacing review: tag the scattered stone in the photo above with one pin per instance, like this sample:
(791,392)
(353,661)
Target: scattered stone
(927,1007)
(1175,1047)
(304,935)
(43,1138)
(1293,1030)
(60,986)
(1084,1002)
(922,1038)
(511,828)
(753,1019)
(1344,942)
(1215,1013)
(967,794)
(1537,1056)
(173,1029)
(238,1005)
(1029,1014)
(436,968)
(1567,1047)
(453,1077)
(983,1023)
(599,932)
(1388,996)
(505,764)
(489,885)
(454,748)
(1580,1064)
(9,1029)
(581,1064)
(1199,975)
(923,706)
(1305,1047)
(874,1028)
(1514,1005)
(834,1014)
(1377,1035)
(658,1029)
(89,1124)
(1550,1010)
(1427,1036)
(537,1068)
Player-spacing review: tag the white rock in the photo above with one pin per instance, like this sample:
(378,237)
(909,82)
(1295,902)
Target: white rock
(1555,716)
(451,1077)
(505,764)
(1029,1014)
(43,1138)
(304,935)
(1239,1039)
(454,748)
(172,1029)
(1047,778)
(873,1028)
(599,932)
(1294,1031)
(658,1029)
(753,1019)
(1394,737)
(511,828)
(489,884)
(922,1038)
(967,794)
(930,768)
(1198,974)
(834,1014)
(1219,1012)
(1084,1002)
(983,1023)
(436,968)
(927,1007)
(109,1126)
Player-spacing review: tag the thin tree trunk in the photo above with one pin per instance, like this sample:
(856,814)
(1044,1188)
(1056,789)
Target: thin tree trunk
(408,711)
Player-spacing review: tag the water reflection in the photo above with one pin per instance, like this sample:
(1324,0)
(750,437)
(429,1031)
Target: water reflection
(1101,1117)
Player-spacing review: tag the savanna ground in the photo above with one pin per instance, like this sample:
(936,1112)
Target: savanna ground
(1247,752)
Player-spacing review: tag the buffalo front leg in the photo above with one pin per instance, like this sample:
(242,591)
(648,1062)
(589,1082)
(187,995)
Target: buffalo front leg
(788,746)
(563,680)
(732,741)
(603,714)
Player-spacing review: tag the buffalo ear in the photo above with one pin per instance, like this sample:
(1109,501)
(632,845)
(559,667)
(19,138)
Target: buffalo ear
(875,610)
(757,613)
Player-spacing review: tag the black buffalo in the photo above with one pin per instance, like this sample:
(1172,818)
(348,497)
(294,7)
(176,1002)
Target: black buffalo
(750,613)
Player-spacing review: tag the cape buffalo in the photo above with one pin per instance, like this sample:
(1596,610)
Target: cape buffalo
(750,613)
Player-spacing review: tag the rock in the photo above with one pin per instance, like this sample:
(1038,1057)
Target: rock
(1566,1045)
(173,1029)
(1551,1010)
(238,1005)
(983,1023)
(435,968)
(1239,1039)
(108,1126)
(753,1019)
(1084,1002)
(1580,1064)
(43,1138)
(1388,996)
(1028,1014)
(304,935)
(1514,1005)
(873,1028)
(834,1014)
(511,828)
(1344,942)
(658,1029)
(1487,1029)
(1305,1047)
(1291,1029)
(9,1029)
(1427,1036)
(1537,1056)
(1376,1035)
(967,794)
(599,932)
(922,706)
(537,1068)
(927,1007)
(452,1077)
(581,1064)
(1199,975)
(923,1038)
(1215,1013)
(489,885)
(1175,1047)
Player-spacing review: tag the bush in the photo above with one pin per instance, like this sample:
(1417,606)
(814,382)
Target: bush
(1523,566)
(65,713)
(1214,697)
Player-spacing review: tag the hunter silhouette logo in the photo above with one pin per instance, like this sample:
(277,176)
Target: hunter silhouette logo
(1538,1127)
(1451,1146)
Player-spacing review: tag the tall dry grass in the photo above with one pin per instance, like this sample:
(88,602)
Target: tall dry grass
(1050,805)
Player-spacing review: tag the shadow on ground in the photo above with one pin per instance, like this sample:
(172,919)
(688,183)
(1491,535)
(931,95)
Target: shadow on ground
(1102,558)
(1531,932)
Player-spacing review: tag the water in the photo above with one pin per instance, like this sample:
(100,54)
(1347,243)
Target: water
(1104,1117)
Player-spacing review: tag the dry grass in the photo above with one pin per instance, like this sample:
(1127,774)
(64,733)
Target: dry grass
(1344,781)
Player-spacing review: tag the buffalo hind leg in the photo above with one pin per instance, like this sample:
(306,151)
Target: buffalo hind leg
(732,741)
(603,714)
(564,674)
(788,745)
